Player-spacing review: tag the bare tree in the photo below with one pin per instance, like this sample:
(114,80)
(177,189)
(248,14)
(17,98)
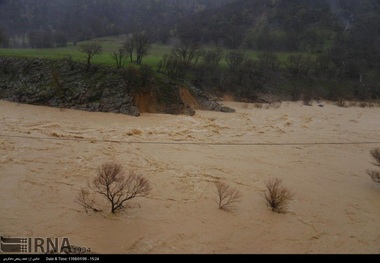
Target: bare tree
(376,155)
(375,175)
(277,196)
(227,196)
(87,201)
(120,56)
(115,186)
(129,47)
(187,52)
(90,49)
(142,45)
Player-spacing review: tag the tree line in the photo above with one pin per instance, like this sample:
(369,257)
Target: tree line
(297,76)
(137,44)
(236,72)
(338,39)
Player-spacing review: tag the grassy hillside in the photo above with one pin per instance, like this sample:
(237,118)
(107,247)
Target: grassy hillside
(111,44)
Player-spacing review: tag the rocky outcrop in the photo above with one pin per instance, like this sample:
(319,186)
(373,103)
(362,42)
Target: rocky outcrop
(67,84)
(207,102)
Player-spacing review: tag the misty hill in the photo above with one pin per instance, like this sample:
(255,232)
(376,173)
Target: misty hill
(330,48)
(281,24)
(258,24)
(77,20)
(343,34)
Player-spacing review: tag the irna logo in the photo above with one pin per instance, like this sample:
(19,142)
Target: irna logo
(34,245)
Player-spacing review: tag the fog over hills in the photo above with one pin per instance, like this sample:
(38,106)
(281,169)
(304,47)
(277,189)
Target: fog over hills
(83,19)
(339,39)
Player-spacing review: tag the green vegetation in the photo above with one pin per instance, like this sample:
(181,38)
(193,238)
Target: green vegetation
(154,56)
(301,49)
(290,74)
(111,44)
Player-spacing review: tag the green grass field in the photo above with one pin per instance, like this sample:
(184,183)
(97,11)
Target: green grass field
(154,56)
(109,44)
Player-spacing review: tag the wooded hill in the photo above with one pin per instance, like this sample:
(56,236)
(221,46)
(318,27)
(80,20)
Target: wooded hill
(76,20)
(334,44)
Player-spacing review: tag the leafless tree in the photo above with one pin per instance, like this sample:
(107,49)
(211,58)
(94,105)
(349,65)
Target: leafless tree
(115,186)
(87,201)
(120,56)
(187,52)
(90,49)
(277,196)
(142,45)
(375,175)
(227,196)
(376,155)
(129,46)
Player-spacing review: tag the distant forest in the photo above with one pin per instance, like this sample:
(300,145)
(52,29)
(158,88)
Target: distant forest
(263,24)
(77,20)
(343,37)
